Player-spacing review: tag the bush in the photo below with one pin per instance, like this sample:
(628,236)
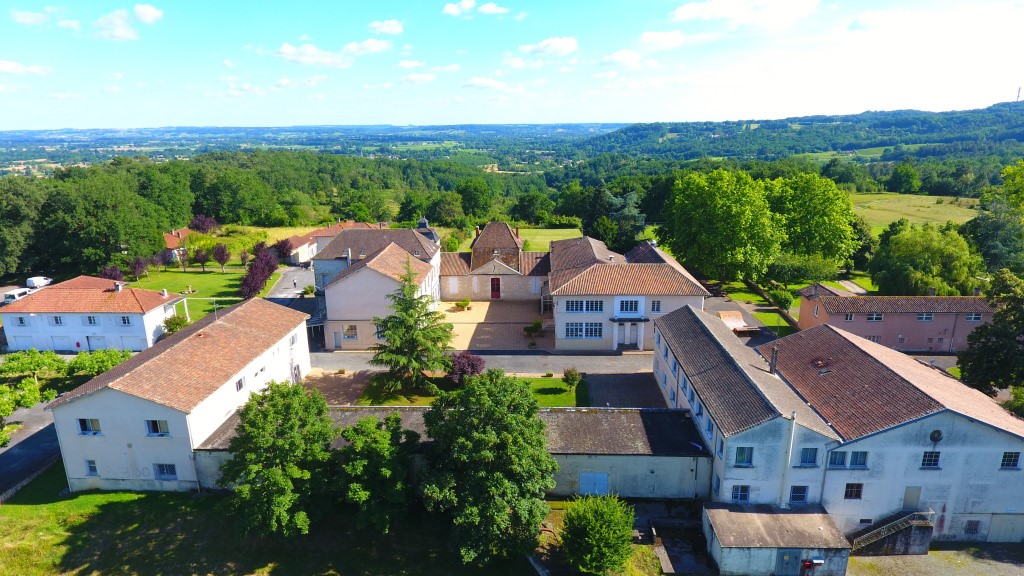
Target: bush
(572,378)
(203,224)
(559,221)
(450,244)
(597,534)
(462,304)
(96,362)
(534,328)
(782,298)
(465,364)
(112,272)
(790,268)
(1016,404)
(175,323)
(309,290)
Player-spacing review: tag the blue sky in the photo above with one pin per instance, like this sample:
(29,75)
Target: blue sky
(259,63)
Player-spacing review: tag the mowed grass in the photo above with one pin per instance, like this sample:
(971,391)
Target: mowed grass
(881,209)
(539,238)
(213,289)
(172,533)
(549,392)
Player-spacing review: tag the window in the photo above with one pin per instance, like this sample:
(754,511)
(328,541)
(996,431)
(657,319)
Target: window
(690,396)
(239,384)
(675,367)
(89,426)
(721,446)
(293,339)
(854,491)
(808,456)
(574,305)
(682,382)
(165,472)
(930,460)
(1010,460)
(744,456)
(58,320)
(875,316)
(91,469)
(657,338)
(593,330)
(972,527)
(22,321)
(901,340)
(925,316)
(858,459)
(710,428)
(574,329)
(629,306)
(378,332)
(875,339)
(91,321)
(351,332)
(849,317)
(717,484)
(940,340)
(930,340)
(741,493)
(815,310)
(595,306)
(126,320)
(798,494)
(866,521)
(837,459)
(655,305)
(974,317)
(156,428)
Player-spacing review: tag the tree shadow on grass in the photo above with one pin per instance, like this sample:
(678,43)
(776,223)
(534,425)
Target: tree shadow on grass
(169,533)
(552,390)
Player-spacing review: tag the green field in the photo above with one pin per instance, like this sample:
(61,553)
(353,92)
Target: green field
(866,153)
(549,392)
(539,238)
(171,533)
(212,289)
(882,208)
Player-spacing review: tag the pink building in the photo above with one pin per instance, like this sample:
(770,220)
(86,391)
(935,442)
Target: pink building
(938,324)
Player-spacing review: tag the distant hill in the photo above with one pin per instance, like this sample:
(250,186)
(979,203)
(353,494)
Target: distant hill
(996,130)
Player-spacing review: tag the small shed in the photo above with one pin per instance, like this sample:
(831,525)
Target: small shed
(756,540)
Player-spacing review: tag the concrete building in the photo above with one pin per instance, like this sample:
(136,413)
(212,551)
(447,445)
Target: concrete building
(766,541)
(938,324)
(87,313)
(604,301)
(136,426)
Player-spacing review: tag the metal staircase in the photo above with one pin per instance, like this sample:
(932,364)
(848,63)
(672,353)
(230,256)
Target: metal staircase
(920,518)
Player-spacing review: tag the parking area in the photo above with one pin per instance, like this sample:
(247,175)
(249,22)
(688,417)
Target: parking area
(495,326)
(953,559)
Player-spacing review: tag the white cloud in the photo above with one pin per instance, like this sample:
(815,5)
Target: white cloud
(316,97)
(283,83)
(421,78)
(447,68)
(627,58)
(314,80)
(559,46)
(69,24)
(521,16)
(662,40)
(311,81)
(29,18)
(459,8)
(492,8)
(385,86)
(386,26)
(368,46)
(115,26)
(409,64)
(8,67)
(305,38)
(609,75)
(115,76)
(6,88)
(147,13)
(66,95)
(519,63)
(310,54)
(112,89)
(488,84)
(228,63)
(772,14)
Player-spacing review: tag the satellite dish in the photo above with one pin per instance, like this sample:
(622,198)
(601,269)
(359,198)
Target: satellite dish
(935,436)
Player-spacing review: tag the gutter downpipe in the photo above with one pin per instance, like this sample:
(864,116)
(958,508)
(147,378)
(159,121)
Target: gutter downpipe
(783,501)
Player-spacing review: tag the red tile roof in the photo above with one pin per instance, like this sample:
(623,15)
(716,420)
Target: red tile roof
(389,261)
(174,238)
(455,263)
(861,388)
(86,294)
(535,263)
(497,235)
(184,369)
(584,266)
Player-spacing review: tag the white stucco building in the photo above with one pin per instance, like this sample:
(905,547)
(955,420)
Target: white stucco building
(136,426)
(87,313)
(826,417)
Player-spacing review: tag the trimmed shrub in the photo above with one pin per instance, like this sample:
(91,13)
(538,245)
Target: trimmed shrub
(782,298)
(572,378)
(465,364)
(597,534)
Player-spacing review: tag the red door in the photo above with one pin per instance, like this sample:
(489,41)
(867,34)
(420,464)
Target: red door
(495,288)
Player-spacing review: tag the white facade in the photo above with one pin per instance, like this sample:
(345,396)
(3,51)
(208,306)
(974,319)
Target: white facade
(113,440)
(586,322)
(76,332)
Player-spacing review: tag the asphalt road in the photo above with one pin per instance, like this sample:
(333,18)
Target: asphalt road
(532,363)
(293,280)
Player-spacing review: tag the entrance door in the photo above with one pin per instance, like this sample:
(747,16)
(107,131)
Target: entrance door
(1006,528)
(23,343)
(62,343)
(595,483)
(622,333)
(788,562)
(495,288)
(133,343)
(912,498)
(634,331)
(96,342)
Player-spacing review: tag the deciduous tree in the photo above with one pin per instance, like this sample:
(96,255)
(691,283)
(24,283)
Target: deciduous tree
(489,468)
(918,259)
(994,358)
(817,216)
(221,255)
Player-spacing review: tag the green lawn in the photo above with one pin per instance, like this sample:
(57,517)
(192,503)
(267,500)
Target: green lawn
(213,288)
(882,208)
(170,533)
(863,279)
(549,392)
(539,238)
(774,322)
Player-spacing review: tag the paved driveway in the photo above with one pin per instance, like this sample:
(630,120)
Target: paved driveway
(495,326)
(528,363)
(293,279)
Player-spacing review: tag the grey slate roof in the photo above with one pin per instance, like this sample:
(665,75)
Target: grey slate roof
(732,380)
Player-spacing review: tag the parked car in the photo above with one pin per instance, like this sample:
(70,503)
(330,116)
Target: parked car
(15,295)
(38,281)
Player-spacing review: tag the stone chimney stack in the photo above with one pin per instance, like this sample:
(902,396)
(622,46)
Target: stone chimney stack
(517,231)
(117,286)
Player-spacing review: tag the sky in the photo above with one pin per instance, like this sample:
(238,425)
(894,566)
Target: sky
(114,64)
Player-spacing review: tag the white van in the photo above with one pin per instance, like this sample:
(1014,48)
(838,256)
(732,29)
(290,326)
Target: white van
(38,281)
(15,295)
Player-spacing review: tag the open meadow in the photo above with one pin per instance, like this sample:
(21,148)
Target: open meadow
(879,209)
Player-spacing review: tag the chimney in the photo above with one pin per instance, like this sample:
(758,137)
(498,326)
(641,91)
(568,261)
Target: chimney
(611,258)
(478,231)
(163,292)
(348,255)
(774,364)
(814,290)
(931,291)
(117,286)
(517,231)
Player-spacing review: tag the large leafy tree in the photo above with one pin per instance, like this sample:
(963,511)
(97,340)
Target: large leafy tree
(20,202)
(489,467)
(415,338)
(998,232)
(279,456)
(904,179)
(817,215)
(476,196)
(597,534)
(375,468)
(720,224)
(917,259)
(994,358)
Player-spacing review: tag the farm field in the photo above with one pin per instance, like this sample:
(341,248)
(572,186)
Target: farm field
(882,208)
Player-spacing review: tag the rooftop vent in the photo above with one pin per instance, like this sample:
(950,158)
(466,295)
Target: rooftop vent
(163,292)
(117,286)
